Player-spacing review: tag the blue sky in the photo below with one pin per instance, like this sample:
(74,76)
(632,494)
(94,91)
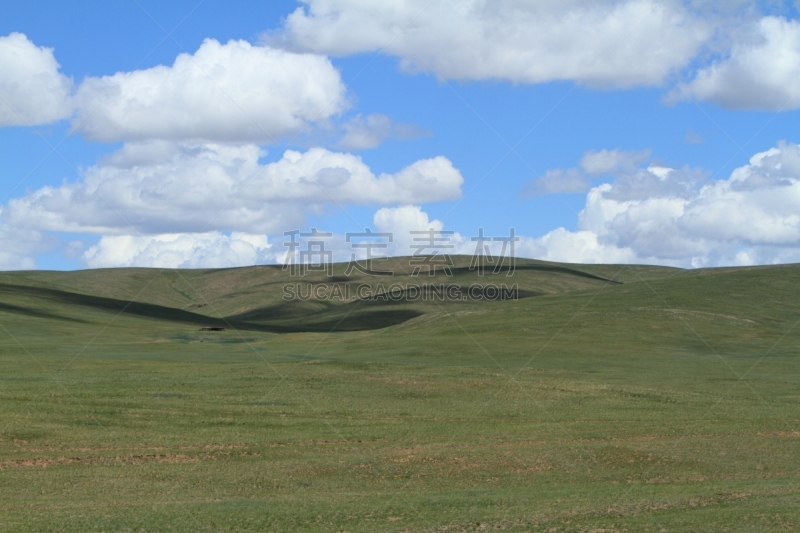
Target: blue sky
(616,131)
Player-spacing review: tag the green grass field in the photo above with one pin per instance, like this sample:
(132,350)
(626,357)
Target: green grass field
(604,398)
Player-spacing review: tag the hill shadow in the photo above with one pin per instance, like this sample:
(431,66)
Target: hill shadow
(504,269)
(35,313)
(290,317)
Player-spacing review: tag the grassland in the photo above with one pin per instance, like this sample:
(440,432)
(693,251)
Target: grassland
(605,398)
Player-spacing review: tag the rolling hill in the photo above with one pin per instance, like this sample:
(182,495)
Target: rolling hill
(606,397)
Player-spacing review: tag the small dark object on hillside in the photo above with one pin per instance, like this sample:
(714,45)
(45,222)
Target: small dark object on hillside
(212,329)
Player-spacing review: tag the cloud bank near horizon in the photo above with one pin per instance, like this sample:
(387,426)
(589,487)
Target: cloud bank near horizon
(191,182)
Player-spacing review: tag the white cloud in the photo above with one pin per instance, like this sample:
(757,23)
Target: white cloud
(659,215)
(232,92)
(556,181)
(674,216)
(761,71)
(565,246)
(19,248)
(362,133)
(366,132)
(651,215)
(607,43)
(218,250)
(32,90)
(558,245)
(592,165)
(185,250)
(604,161)
(161,187)
(400,222)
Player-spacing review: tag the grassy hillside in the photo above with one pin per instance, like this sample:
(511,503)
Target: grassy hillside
(604,397)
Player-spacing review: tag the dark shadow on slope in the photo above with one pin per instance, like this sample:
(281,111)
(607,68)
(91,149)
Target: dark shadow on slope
(102,303)
(322,316)
(290,309)
(503,270)
(364,320)
(35,313)
(289,322)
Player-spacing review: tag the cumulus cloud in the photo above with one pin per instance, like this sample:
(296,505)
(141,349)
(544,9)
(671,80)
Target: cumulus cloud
(161,187)
(592,165)
(20,248)
(557,181)
(32,90)
(403,220)
(658,215)
(649,214)
(181,250)
(676,216)
(218,250)
(362,133)
(400,222)
(761,71)
(233,92)
(608,43)
(565,246)
(605,161)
